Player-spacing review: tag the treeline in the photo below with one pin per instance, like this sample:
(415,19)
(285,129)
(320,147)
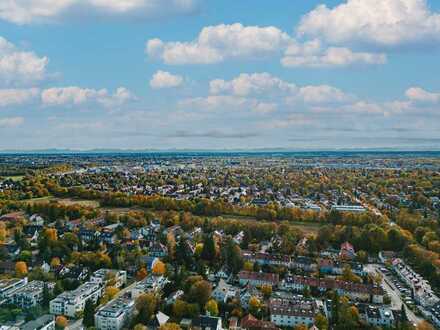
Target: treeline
(205,207)
(53,211)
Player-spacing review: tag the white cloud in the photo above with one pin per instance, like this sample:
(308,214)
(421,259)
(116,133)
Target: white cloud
(228,103)
(387,23)
(256,83)
(10,97)
(264,108)
(163,79)
(217,43)
(77,96)
(43,11)
(265,86)
(322,94)
(418,94)
(11,122)
(312,54)
(20,67)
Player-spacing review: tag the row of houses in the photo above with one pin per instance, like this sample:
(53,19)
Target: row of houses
(355,291)
(421,289)
(332,266)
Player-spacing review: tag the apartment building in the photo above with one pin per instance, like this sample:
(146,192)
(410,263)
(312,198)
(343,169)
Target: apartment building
(115,314)
(7,286)
(70,303)
(30,295)
(113,277)
(293,311)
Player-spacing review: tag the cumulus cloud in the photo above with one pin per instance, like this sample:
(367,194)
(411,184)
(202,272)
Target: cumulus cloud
(388,23)
(77,96)
(217,43)
(418,94)
(19,67)
(11,122)
(321,94)
(227,103)
(163,79)
(311,54)
(255,83)
(265,86)
(14,97)
(43,11)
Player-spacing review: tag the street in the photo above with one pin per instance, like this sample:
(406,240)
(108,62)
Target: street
(393,293)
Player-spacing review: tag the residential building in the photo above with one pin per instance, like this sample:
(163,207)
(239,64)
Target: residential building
(421,289)
(258,278)
(45,322)
(30,295)
(204,322)
(116,278)
(150,283)
(349,208)
(249,322)
(115,314)
(267,258)
(70,303)
(347,251)
(378,316)
(8,286)
(356,291)
(293,312)
(223,291)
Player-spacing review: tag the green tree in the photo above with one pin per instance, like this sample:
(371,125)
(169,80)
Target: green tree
(209,251)
(321,322)
(146,305)
(89,314)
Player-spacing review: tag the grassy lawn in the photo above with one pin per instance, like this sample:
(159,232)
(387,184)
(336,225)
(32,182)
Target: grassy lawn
(38,200)
(73,201)
(65,201)
(15,178)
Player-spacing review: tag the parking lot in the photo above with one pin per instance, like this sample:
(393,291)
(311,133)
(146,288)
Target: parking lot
(398,293)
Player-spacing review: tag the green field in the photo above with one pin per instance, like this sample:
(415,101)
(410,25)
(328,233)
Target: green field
(15,178)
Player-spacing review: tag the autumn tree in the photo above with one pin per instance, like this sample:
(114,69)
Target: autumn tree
(109,293)
(321,322)
(55,262)
(266,290)
(61,322)
(146,305)
(233,256)
(21,269)
(170,326)
(424,325)
(200,292)
(159,268)
(211,307)
(140,327)
(254,305)
(141,274)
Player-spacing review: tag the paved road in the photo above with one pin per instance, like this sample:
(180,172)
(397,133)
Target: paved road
(77,325)
(393,293)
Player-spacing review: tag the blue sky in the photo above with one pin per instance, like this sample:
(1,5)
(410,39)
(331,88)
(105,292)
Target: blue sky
(219,74)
